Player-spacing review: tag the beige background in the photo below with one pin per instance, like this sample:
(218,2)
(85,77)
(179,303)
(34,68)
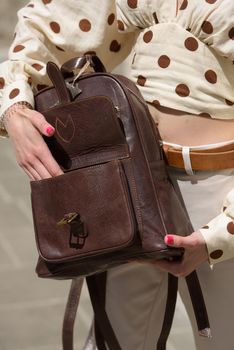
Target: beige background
(31,309)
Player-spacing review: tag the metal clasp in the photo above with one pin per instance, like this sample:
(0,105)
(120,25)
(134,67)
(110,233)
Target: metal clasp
(78,229)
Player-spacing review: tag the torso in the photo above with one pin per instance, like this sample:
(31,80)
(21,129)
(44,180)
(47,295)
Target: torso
(190,130)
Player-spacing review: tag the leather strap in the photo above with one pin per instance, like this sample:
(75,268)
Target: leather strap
(169,311)
(58,82)
(78,63)
(101,290)
(97,289)
(212,159)
(199,306)
(103,329)
(106,331)
(70,313)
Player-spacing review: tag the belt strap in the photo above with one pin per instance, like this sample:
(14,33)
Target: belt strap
(201,160)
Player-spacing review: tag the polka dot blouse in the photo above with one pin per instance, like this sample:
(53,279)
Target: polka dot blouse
(183,58)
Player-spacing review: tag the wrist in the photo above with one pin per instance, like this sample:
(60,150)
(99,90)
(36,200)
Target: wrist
(4,118)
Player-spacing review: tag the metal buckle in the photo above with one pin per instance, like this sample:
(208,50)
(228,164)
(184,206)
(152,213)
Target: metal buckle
(78,229)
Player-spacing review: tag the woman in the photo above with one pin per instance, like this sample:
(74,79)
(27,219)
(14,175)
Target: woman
(183,53)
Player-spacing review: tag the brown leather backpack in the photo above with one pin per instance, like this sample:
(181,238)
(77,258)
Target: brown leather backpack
(115,202)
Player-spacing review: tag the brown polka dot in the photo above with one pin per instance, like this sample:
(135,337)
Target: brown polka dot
(224,208)
(188,29)
(115,46)
(30,80)
(156,102)
(191,44)
(59,48)
(211,76)
(182,90)
(25,17)
(37,66)
(164,61)
(207,27)
(132,4)
(229,103)
(231,33)
(141,80)
(205,227)
(18,48)
(111,19)
(216,254)
(2,83)
(55,27)
(14,93)
(230,227)
(46,1)
(120,25)
(184,5)
(85,25)
(147,37)
(155,18)
(205,115)
(211,1)
(41,86)
(30,5)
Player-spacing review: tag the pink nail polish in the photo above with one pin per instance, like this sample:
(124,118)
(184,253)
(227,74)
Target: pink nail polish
(50,130)
(169,240)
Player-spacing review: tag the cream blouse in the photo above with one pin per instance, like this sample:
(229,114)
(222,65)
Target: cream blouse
(183,58)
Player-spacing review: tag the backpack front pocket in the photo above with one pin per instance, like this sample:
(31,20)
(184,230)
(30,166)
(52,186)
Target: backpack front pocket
(84,212)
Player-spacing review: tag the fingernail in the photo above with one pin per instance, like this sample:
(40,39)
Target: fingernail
(50,130)
(169,239)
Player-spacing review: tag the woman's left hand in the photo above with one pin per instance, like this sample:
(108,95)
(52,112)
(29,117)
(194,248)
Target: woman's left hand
(195,253)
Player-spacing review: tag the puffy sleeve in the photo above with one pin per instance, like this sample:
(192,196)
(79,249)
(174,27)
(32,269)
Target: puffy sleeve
(217,27)
(219,232)
(57,30)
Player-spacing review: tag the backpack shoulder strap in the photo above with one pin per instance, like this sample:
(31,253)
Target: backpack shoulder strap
(70,312)
(103,329)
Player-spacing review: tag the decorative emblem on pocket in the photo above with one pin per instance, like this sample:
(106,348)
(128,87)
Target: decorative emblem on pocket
(65,129)
(78,229)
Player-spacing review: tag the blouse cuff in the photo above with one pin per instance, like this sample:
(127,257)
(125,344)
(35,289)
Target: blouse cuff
(219,238)
(16,92)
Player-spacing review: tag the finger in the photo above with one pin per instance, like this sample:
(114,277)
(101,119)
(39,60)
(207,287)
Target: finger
(41,170)
(177,241)
(50,163)
(32,173)
(29,174)
(39,121)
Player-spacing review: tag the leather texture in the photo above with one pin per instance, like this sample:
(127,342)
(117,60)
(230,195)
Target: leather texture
(115,178)
(115,202)
(211,159)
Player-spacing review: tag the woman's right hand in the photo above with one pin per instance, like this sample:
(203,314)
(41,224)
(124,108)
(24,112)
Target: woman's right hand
(25,128)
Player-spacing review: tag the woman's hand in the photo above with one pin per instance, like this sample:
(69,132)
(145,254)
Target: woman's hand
(25,128)
(195,253)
